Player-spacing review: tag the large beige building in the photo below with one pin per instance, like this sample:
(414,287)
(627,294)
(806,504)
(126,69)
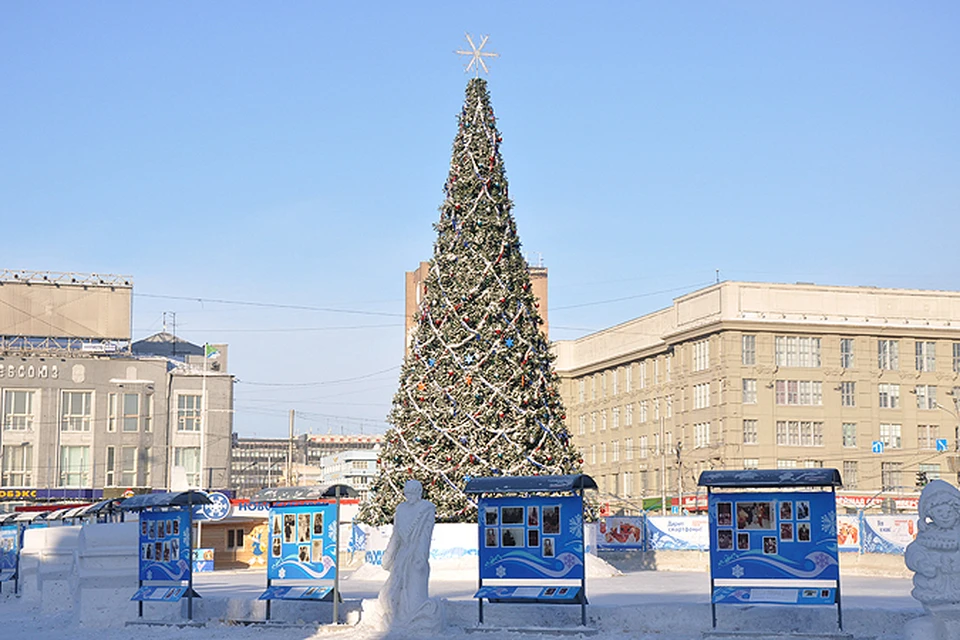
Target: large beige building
(748,375)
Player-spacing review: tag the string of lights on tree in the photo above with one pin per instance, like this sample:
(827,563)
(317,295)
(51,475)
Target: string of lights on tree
(478,395)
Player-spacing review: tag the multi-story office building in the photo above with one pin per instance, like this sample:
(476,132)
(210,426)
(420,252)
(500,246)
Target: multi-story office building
(83,409)
(272,462)
(356,468)
(745,375)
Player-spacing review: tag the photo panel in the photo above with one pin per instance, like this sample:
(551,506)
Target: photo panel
(303,552)
(724,514)
(277,525)
(533,538)
(275,550)
(533,516)
(549,548)
(169,528)
(166,551)
(289,527)
(755,516)
(551,591)
(769,545)
(803,509)
(803,532)
(491,516)
(143,528)
(158,551)
(511,515)
(725,539)
(786,510)
(175,549)
(145,550)
(551,519)
(303,527)
(743,541)
(316,554)
(490,537)
(786,531)
(318,523)
(176,527)
(511,536)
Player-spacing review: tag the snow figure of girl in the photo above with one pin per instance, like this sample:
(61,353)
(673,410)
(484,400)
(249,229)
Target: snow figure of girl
(935,559)
(404,601)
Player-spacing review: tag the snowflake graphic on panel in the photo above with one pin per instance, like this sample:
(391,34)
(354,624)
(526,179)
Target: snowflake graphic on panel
(501,572)
(829,523)
(737,571)
(282,573)
(332,531)
(576,526)
(218,507)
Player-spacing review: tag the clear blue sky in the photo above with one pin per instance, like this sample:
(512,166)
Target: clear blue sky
(293,153)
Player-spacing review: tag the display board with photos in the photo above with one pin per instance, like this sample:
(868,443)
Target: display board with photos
(9,552)
(165,545)
(775,535)
(302,543)
(539,537)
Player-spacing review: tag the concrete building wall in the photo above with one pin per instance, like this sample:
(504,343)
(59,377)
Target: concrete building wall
(636,391)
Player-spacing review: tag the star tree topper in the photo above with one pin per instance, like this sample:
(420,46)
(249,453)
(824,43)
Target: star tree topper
(477,55)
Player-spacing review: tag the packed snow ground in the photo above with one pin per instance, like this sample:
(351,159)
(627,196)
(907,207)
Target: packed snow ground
(646,605)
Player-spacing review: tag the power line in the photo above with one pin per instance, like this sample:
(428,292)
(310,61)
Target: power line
(320,382)
(268,305)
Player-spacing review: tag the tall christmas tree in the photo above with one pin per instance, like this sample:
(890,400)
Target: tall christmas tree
(478,395)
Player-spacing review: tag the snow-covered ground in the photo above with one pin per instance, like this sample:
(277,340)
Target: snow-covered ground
(645,605)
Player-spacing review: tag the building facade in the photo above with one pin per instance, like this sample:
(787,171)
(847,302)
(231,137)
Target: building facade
(83,409)
(746,375)
(356,468)
(258,463)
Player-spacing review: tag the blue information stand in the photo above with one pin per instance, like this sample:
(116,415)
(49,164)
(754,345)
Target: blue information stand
(166,546)
(531,540)
(10,538)
(304,550)
(773,537)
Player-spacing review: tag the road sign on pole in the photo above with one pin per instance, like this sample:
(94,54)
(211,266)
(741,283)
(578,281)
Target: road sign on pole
(878,446)
(941,444)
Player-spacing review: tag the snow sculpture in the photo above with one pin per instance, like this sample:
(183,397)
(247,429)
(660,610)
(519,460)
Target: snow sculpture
(934,557)
(403,600)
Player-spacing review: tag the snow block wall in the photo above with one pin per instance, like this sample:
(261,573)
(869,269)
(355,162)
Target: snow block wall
(48,565)
(107,569)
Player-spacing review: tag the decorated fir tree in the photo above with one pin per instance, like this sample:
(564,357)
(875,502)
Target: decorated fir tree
(478,395)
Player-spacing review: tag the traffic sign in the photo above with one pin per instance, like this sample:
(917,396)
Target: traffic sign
(941,444)
(878,446)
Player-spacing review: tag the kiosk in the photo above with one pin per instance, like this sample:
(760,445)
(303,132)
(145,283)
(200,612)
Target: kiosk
(166,546)
(773,537)
(10,539)
(531,540)
(304,550)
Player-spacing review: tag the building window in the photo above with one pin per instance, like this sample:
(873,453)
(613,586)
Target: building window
(131,412)
(188,412)
(786,464)
(749,391)
(146,466)
(926,356)
(926,396)
(656,371)
(848,394)
(669,361)
(74,466)
(616,417)
(628,483)
(593,422)
(889,395)
(846,353)
(701,355)
(603,453)
(799,392)
(581,389)
(234,538)
(956,357)
(656,408)
(628,448)
(888,355)
(813,464)
(603,420)
(932,471)
(701,434)
(603,383)
(148,413)
(628,378)
(701,395)
(593,454)
(643,447)
(17,465)
(110,479)
(748,350)
(75,411)
(582,428)
(18,410)
(799,433)
(850,434)
(615,451)
(890,435)
(189,459)
(750,432)
(643,411)
(628,415)
(797,351)
(927,435)
(112,411)
(890,475)
(669,400)
(616,381)
(751,463)
(849,474)
(128,466)
(593,387)
(643,374)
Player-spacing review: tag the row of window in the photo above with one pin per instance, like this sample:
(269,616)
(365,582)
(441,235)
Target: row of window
(127,412)
(121,468)
(810,434)
(789,351)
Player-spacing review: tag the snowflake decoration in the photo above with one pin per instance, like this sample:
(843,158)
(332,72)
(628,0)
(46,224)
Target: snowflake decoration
(828,523)
(576,526)
(332,531)
(218,507)
(282,574)
(501,571)
(737,571)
